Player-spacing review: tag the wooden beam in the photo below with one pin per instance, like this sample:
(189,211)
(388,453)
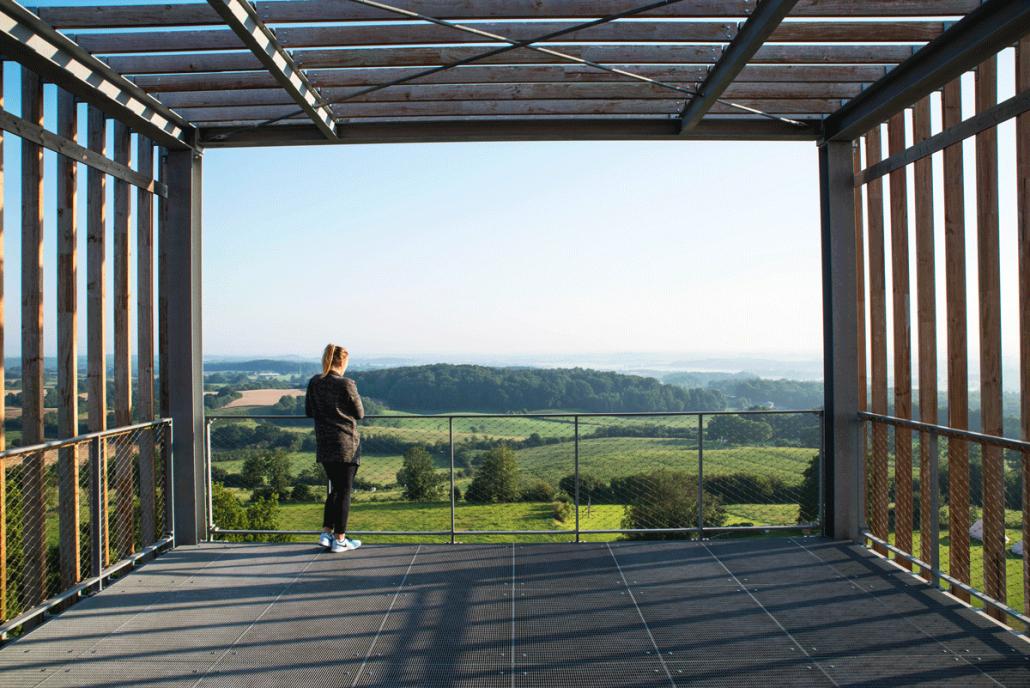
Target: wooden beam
(742,49)
(311,11)
(67,349)
(242,18)
(33,488)
(989,118)
(123,460)
(861,330)
(1023,234)
(641,31)
(878,341)
(96,331)
(508,92)
(903,517)
(503,74)
(926,298)
(958,354)
(3,386)
(51,55)
(68,148)
(145,337)
(989,278)
(688,54)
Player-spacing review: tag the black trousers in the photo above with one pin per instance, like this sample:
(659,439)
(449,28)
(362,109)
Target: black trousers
(337,503)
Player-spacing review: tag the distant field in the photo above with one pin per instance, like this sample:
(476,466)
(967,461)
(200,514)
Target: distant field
(263,397)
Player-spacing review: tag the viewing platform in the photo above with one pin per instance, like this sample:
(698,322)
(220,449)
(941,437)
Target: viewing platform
(773,611)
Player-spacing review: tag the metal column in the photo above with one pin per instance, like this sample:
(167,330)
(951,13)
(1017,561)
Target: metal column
(179,302)
(842,462)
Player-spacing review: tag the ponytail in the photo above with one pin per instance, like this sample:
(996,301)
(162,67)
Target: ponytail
(332,357)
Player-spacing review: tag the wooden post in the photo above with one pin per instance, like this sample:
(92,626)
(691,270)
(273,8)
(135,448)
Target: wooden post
(3,385)
(145,336)
(988,261)
(1023,194)
(927,324)
(902,341)
(878,341)
(860,322)
(96,305)
(958,356)
(34,509)
(123,459)
(67,350)
(180,267)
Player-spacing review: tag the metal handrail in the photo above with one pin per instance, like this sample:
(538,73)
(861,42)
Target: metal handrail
(957,433)
(79,439)
(573,418)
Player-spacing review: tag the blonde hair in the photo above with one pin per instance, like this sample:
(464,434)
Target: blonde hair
(333,357)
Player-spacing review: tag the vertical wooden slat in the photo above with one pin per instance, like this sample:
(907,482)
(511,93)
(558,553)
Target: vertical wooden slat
(34,509)
(145,336)
(3,384)
(164,404)
(927,322)
(67,351)
(123,462)
(96,305)
(988,261)
(1023,195)
(958,362)
(860,305)
(878,340)
(902,339)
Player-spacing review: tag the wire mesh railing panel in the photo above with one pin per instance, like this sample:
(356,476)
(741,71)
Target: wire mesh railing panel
(639,473)
(74,507)
(515,473)
(762,469)
(972,544)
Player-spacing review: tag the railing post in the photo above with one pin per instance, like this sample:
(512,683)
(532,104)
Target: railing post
(575,425)
(169,482)
(822,467)
(208,422)
(700,475)
(935,519)
(97,516)
(450,443)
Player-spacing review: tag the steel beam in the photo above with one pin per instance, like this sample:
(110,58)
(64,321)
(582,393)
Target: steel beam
(37,46)
(242,18)
(182,375)
(843,473)
(983,32)
(752,35)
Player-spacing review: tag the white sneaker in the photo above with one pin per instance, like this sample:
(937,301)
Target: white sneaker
(345,545)
(325,539)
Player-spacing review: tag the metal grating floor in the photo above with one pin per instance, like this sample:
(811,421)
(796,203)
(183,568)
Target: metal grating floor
(794,612)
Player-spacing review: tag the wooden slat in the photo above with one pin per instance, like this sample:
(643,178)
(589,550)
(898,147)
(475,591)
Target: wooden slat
(1023,233)
(123,465)
(33,487)
(489,107)
(989,278)
(877,501)
(145,336)
(927,323)
(902,340)
(96,332)
(70,149)
(3,385)
(860,291)
(526,91)
(642,31)
(199,14)
(605,54)
(958,361)
(67,349)
(499,74)
(162,295)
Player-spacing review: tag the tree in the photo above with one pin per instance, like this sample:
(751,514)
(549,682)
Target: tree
(809,499)
(417,476)
(253,471)
(497,478)
(227,509)
(277,470)
(738,430)
(670,502)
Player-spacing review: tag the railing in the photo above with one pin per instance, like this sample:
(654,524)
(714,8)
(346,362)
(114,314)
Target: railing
(78,511)
(958,525)
(549,476)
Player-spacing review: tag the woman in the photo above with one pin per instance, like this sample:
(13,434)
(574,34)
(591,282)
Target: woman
(333,401)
